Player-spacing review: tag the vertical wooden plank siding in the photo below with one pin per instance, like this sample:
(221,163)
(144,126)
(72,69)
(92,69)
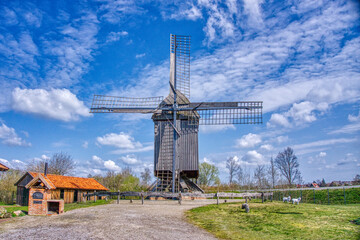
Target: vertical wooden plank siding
(187,146)
(55,194)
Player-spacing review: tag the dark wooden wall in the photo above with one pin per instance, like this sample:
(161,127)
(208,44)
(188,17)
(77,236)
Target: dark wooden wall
(187,147)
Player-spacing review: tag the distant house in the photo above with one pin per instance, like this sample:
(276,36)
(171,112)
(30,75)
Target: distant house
(3,168)
(62,187)
(314,185)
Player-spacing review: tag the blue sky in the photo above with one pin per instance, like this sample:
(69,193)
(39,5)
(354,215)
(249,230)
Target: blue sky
(301,58)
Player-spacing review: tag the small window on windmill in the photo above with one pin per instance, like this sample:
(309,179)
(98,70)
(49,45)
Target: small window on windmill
(62,194)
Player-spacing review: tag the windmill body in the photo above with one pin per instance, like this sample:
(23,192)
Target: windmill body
(177,120)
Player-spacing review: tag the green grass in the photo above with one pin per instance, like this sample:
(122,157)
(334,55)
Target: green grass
(278,221)
(72,206)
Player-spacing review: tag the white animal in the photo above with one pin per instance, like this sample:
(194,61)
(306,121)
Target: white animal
(287,199)
(296,200)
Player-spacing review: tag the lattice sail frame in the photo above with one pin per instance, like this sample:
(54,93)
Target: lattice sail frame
(180,63)
(112,104)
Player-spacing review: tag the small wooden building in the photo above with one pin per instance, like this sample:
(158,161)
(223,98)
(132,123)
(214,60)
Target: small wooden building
(3,168)
(70,189)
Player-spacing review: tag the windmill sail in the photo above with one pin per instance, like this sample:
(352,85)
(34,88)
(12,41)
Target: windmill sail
(220,113)
(180,64)
(111,104)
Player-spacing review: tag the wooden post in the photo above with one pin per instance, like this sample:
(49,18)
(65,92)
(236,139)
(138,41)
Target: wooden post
(118,200)
(217,198)
(142,197)
(301,194)
(328,196)
(344,196)
(84,198)
(262,197)
(314,196)
(271,196)
(94,195)
(180,198)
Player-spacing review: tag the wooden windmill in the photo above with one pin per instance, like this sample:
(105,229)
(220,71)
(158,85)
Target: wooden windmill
(177,120)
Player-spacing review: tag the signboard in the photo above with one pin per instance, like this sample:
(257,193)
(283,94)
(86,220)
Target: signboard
(37,202)
(37,195)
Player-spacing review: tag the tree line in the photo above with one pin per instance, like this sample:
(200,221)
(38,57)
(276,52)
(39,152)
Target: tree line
(283,170)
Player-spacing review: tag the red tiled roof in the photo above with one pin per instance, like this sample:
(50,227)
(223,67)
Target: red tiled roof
(3,167)
(67,182)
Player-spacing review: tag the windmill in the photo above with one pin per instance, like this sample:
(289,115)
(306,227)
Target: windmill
(176,121)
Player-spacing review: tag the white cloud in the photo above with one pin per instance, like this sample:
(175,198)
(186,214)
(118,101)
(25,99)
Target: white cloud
(85,144)
(9,137)
(58,104)
(253,9)
(349,128)
(322,154)
(13,164)
(97,159)
(215,128)
(326,142)
(298,114)
(115,36)
(282,139)
(267,147)
(349,159)
(189,12)
(248,141)
(253,158)
(44,157)
(140,55)
(111,165)
(353,118)
(124,142)
(130,159)
(121,140)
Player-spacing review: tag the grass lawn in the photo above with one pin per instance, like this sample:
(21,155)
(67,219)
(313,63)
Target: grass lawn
(72,206)
(277,220)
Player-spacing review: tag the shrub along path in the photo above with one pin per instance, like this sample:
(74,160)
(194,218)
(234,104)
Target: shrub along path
(153,220)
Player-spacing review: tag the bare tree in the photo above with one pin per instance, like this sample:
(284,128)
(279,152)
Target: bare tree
(233,166)
(288,165)
(146,176)
(273,173)
(209,174)
(260,176)
(241,176)
(60,164)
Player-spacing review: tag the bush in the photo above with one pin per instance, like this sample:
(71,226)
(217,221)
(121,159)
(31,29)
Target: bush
(336,196)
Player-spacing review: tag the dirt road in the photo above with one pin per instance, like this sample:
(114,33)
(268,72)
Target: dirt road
(153,220)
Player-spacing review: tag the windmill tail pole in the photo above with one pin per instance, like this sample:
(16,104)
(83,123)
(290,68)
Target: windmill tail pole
(174,111)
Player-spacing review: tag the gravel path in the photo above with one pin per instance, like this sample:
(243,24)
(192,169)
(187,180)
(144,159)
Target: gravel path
(153,220)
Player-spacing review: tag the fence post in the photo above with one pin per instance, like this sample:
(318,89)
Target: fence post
(301,194)
(262,197)
(180,198)
(314,196)
(118,200)
(344,196)
(142,197)
(217,198)
(94,195)
(328,196)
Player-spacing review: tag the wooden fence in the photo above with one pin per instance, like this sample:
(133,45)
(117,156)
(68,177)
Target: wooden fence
(180,196)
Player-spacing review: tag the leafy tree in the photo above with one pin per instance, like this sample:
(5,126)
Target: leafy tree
(7,188)
(209,174)
(288,165)
(233,166)
(60,164)
(146,176)
(273,173)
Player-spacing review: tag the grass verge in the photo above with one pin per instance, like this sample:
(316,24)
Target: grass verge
(278,221)
(72,206)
